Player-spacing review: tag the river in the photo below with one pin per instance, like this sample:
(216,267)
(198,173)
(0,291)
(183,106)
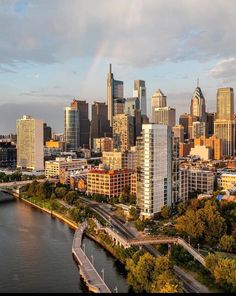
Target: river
(35,254)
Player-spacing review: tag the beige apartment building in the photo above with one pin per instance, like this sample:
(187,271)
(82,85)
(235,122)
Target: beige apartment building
(53,167)
(103,144)
(123,132)
(120,160)
(228,180)
(109,183)
(30,154)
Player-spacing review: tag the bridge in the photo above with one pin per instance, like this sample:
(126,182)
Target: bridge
(152,240)
(8,185)
(93,280)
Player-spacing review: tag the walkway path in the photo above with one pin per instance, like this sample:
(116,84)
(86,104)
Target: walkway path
(93,280)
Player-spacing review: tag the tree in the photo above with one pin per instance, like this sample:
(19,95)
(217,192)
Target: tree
(166,283)
(227,243)
(166,212)
(60,192)
(71,197)
(181,208)
(190,224)
(214,224)
(223,270)
(133,213)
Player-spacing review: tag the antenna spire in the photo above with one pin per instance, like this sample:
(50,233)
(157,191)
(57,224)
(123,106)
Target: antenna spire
(198,82)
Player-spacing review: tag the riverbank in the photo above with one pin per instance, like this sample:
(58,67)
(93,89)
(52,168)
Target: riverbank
(73,225)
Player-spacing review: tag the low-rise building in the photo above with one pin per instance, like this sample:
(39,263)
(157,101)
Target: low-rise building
(201,181)
(183,184)
(53,167)
(103,144)
(117,160)
(109,183)
(202,151)
(228,180)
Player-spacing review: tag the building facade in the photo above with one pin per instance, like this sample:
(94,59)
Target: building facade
(164,115)
(30,154)
(154,169)
(115,91)
(140,92)
(158,101)
(123,132)
(109,183)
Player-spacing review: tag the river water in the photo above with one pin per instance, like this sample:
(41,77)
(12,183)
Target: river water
(35,254)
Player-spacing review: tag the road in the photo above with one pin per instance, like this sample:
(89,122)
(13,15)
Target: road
(190,285)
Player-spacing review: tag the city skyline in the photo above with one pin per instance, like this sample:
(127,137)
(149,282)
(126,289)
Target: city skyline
(41,68)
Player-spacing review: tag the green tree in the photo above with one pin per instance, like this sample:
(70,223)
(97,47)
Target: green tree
(190,224)
(60,192)
(227,243)
(71,197)
(133,213)
(166,212)
(223,271)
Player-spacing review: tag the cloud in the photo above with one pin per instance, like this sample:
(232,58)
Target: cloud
(225,69)
(136,32)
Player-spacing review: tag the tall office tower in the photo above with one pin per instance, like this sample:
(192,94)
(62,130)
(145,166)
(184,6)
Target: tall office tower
(47,133)
(132,108)
(178,131)
(198,129)
(164,115)
(100,126)
(123,132)
(183,120)
(225,131)
(198,105)
(210,117)
(84,123)
(140,92)
(158,101)
(71,128)
(119,105)
(225,103)
(131,104)
(115,91)
(191,120)
(154,168)
(30,143)
(175,170)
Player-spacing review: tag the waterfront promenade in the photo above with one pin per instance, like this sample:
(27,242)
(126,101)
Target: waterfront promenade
(93,280)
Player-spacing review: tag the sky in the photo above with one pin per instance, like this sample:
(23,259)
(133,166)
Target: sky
(57,50)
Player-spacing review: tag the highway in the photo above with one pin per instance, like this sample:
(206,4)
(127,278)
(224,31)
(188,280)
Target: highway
(189,286)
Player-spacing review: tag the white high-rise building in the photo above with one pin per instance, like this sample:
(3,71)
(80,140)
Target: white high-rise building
(154,168)
(30,153)
(140,92)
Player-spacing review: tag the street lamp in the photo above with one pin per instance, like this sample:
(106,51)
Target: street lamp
(102,274)
(92,259)
(116,289)
(84,247)
(198,247)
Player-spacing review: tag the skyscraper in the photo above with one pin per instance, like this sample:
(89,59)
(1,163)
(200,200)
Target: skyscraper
(225,103)
(140,92)
(84,123)
(225,124)
(30,143)
(115,91)
(198,105)
(158,101)
(100,126)
(154,168)
(71,128)
(164,115)
(123,132)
